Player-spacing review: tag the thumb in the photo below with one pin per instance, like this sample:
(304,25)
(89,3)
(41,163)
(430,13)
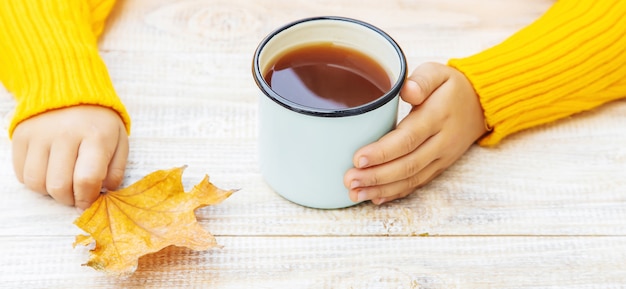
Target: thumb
(424,80)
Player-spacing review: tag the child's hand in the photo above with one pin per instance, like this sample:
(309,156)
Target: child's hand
(446,119)
(71,153)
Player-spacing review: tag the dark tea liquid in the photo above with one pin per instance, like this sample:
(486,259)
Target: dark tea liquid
(327,76)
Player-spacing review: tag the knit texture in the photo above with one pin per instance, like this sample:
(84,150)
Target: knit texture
(571,59)
(49,56)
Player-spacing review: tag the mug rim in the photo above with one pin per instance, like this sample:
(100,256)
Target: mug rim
(325,112)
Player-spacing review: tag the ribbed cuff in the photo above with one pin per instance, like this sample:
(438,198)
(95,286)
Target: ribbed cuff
(50,57)
(571,59)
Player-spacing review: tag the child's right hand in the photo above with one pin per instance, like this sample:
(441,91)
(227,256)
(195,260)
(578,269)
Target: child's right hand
(71,153)
(446,119)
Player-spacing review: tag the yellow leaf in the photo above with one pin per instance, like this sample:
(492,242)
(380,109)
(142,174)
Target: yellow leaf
(149,215)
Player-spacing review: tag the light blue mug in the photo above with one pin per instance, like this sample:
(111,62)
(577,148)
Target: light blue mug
(304,152)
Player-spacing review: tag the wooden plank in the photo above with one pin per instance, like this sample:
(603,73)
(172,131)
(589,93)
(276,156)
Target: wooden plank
(564,179)
(488,193)
(348,262)
(238,25)
(546,209)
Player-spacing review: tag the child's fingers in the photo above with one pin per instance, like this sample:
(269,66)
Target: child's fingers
(388,192)
(117,166)
(412,131)
(412,93)
(59,177)
(19,149)
(90,170)
(35,167)
(401,168)
(424,80)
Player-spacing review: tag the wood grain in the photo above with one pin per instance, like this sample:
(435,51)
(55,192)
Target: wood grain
(545,209)
(346,262)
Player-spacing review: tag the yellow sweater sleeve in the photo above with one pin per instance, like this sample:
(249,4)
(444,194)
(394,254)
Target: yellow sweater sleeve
(49,56)
(571,59)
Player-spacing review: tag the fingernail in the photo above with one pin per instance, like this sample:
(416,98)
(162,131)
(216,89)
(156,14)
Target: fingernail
(361,196)
(79,210)
(362,162)
(355,184)
(380,201)
(411,84)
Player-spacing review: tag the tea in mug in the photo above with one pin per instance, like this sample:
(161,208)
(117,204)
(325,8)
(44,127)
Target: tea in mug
(327,76)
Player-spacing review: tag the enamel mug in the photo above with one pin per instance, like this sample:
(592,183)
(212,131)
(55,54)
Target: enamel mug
(304,152)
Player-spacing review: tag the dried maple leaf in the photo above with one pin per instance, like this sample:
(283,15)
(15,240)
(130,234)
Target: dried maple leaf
(149,215)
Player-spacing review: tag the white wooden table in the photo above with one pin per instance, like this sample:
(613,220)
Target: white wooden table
(545,209)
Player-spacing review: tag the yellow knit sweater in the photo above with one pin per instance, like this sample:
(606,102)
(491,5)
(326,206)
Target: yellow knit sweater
(49,56)
(571,59)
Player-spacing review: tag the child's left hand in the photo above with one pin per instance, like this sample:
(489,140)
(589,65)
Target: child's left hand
(446,119)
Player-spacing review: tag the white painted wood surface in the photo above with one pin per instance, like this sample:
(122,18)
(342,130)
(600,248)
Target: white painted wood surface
(546,209)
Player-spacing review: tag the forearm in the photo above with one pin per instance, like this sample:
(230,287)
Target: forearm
(49,56)
(571,59)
